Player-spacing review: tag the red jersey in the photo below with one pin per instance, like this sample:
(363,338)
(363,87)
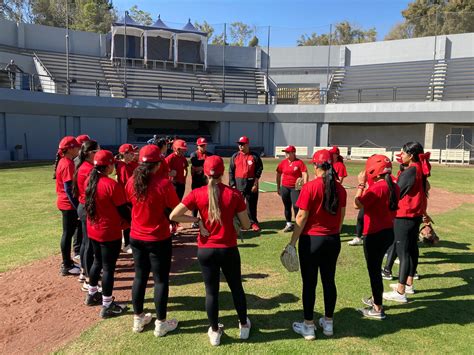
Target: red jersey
(291,171)
(245,165)
(221,235)
(164,170)
(414,202)
(340,169)
(64,173)
(179,163)
(124,171)
(108,224)
(320,222)
(149,221)
(377,214)
(82,175)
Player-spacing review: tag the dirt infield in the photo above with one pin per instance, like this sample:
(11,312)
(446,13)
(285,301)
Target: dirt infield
(41,311)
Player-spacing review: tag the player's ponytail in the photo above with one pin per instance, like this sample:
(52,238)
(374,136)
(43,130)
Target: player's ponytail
(56,162)
(393,199)
(214,210)
(141,178)
(331,200)
(91,191)
(86,147)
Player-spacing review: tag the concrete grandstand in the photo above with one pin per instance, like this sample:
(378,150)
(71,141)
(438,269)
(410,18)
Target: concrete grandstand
(374,95)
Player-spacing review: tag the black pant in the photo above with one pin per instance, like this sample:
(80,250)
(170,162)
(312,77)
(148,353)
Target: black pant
(406,239)
(86,252)
(155,257)
(212,260)
(360,223)
(391,256)
(77,240)
(105,258)
(251,198)
(289,196)
(197,183)
(179,187)
(126,237)
(12,76)
(319,253)
(70,225)
(375,246)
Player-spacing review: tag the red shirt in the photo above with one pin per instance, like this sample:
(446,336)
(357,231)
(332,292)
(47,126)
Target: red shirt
(108,224)
(244,166)
(291,171)
(340,169)
(178,163)
(124,171)
(82,175)
(221,235)
(149,222)
(415,201)
(320,222)
(64,173)
(377,214)
(163,170)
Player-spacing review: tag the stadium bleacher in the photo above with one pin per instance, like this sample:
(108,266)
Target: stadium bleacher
(459,79)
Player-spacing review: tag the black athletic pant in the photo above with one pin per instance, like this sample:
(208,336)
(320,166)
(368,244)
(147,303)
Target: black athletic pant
(251,198)
(319,253)
(406,239)
(360,223)
(105,258)
(154,257)
(70,225)
(179,188)
(289,196)
(197,183)
(77,240)
(126,237)
(375,246)
(87,252)
(391,256)
(212,260)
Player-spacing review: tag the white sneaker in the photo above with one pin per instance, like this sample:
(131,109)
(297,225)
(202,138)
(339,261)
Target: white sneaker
(356,241)
(139,322)
(397,261)
(395,296)
(245,331)
(127,249)
(327,326)
(307,331)
(163,328)
(408,289)
(77,259)
(215,337)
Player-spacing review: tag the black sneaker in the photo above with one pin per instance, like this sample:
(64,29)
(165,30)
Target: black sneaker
(70,270)
(113,310)
(94,300)
(370,312)
(387,275)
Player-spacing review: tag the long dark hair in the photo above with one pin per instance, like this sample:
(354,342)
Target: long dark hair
(56,162)
(141,178)
(86,147)
(331,200)
(96,173)
(393,199)
(415,149)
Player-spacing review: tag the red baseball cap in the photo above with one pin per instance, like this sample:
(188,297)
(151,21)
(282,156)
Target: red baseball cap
(126,148)
(69,142)
(180,144)
(321,156)
(335,150)
(201,141)
(214,166)
(83,138)
(290,149)
(376,165)
(103,158)
(150,154)
(243,140)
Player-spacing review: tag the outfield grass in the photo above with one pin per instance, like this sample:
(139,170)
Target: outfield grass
(439,319)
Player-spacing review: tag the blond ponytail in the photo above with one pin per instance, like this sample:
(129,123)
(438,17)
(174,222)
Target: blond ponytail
(214,211)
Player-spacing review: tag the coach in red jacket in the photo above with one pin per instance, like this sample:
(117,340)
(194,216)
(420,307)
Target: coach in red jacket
(244,172)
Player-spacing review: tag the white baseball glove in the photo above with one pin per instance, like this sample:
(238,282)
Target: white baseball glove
(289,258)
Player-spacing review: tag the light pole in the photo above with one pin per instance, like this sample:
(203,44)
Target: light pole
(67,48)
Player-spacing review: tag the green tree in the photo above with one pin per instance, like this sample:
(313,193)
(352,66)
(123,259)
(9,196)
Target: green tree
(253,42)
(240,33)
(218,40)
(344,33)
(140,16)
(93,16)
(52,12)
(401,30)
(205,27)
(15,10)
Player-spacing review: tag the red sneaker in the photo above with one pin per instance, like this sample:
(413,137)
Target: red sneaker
(255,227)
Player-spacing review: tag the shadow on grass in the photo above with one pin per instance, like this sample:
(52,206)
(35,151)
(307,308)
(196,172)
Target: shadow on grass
(446,258)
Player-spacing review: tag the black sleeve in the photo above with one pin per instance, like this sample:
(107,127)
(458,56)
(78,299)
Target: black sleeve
(70,195)
(232,182)
(193,159)
(125,212)
(258,166)
(406,180)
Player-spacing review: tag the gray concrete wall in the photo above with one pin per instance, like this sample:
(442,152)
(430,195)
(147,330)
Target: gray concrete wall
(234,56)
(24,62)
(307,56)
(8,33)
(462,45)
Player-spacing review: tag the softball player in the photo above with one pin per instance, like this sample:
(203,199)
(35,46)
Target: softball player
(107,214)
(338,163)
(152,198)
(244,173)
(414,186)
(178,166)
(380,202)
(218,204)
(288,172)
(66,202)
(322,205)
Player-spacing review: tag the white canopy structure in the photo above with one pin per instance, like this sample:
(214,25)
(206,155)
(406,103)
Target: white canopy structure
(126,39)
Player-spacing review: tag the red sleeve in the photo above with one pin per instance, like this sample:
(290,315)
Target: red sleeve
(129,190)
(121,173)
(369,197)
(342,196)
(190,201)
(279,168)
(241,206)
(118,195)
(343,170)
(304,200)
(67,173)
(303,167)
(172,199)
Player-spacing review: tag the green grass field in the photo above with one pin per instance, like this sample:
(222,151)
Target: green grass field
(439,320)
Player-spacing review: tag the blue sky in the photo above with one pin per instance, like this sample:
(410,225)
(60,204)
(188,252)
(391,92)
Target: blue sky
(288,18)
